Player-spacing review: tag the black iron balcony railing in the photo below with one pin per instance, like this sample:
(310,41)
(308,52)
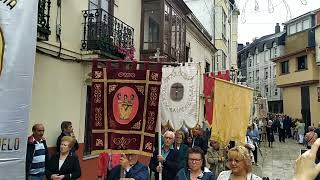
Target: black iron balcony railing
(105,33)
(43,20)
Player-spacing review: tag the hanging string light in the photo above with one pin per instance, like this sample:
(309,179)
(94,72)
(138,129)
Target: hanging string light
(243,13)
(304,2)
(289,15)
(256,5)
(270,6)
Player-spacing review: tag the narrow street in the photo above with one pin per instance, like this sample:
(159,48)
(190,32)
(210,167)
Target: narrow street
(277,162)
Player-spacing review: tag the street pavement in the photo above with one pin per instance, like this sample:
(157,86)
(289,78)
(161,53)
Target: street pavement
(277,162)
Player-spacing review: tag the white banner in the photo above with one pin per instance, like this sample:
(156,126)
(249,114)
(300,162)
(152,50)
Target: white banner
(18,23)
(179,96)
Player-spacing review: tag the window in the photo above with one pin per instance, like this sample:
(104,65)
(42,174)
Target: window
(250,76)
(306,24)
(250,62)
(166,32)
(224,25)
(299,26)
(213,64)
(266,73)
(274,71)
(257,74)
(285,67)
(151,25)
(275,52)
(292,29)
(224,61)
(302,63)
(207,68)
(266,55)
(266,90)
(275,91)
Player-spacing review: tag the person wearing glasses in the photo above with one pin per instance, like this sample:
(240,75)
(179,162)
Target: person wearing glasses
(196,167)
(239,163)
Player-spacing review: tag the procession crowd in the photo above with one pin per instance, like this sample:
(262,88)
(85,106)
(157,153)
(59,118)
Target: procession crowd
(185,155)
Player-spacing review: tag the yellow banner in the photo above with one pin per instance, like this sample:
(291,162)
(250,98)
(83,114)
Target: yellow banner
(232,105)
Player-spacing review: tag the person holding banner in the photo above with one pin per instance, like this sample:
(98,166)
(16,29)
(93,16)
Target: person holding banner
(37,154)
(129,167)
(169,159)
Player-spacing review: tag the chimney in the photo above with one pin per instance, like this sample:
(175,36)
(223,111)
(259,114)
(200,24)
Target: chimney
(240,46)
(277,28)
(247,43)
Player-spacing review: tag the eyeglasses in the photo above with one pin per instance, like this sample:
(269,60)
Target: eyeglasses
(195,160)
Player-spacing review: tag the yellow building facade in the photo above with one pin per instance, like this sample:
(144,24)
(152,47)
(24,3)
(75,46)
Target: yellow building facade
(297,71)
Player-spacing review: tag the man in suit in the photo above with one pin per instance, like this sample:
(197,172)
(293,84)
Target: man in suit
(129,167)
(169,159)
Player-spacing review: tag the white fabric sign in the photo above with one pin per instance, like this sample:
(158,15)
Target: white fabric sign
(179,96)
(18,23)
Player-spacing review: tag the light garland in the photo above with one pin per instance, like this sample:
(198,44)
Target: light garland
(271,8)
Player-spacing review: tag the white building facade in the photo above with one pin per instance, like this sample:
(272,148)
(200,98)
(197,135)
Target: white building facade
(220,18)
(258,69)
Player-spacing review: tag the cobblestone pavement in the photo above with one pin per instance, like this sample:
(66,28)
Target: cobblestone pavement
(277,162)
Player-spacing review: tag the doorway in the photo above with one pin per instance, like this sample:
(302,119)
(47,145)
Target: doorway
(305,105)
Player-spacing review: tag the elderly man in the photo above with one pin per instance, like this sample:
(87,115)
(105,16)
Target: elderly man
(37,154)
(169,159)
(129,167)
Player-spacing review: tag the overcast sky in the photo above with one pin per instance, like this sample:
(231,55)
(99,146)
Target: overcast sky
(258,23)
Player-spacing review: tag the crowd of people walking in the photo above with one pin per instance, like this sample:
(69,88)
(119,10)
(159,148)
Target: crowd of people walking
(185,154)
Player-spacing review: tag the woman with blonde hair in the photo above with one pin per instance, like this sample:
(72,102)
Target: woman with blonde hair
(239,163)
(64,165)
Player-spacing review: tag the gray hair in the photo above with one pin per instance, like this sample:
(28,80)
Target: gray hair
(169,133)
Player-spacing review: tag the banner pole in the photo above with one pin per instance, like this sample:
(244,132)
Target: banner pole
(159,146)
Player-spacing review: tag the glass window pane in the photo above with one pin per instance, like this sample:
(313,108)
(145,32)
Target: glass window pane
(93,4)
(306,24)
(299,26)
(292,29)
(151,25)
(173,32)
(166,31)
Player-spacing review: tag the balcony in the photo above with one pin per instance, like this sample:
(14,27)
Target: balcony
(43,28)
(105,34)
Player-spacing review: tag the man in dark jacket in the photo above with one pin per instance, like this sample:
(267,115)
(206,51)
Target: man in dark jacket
(66,130)
(37,156)
(199,139)
(129,167)
(169,159)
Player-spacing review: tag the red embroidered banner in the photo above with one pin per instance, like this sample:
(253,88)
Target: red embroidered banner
(209,94)
(124,110)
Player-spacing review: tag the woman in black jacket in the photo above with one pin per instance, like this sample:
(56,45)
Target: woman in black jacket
(64,165)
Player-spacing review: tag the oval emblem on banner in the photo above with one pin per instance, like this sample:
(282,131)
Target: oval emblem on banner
(1,50)
(125,105)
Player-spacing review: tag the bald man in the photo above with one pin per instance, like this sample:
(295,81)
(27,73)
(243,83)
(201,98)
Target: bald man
(37,154)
